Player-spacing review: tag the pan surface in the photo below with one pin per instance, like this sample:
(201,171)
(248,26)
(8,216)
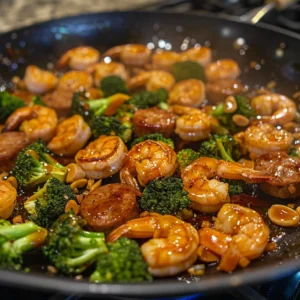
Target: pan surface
(264,53)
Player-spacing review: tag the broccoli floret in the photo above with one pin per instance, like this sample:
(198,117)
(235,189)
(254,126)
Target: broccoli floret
(37,100)
(185,157)
(153,137)
(35,165)
(243,108)
(187,70)
(111,85)
(8,104)
(49,202)
(294,152)
(123,263)
(235,187)
(71,249)
(164,196)
(16,240)
(221,147)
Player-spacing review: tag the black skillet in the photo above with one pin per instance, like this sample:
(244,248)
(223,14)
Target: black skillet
(274,54)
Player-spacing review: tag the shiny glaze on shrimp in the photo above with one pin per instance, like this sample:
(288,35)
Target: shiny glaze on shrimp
(39,81)
(173,245)
(103,157)
(239,235)
(201,55)
(274,108)
(79,58)
(75,81)
(8,195)
(152,80)
(209,194)
(222,69)
(71,136)
(190,92)
(35,121)
(164,60)
(148,161)
(130,54)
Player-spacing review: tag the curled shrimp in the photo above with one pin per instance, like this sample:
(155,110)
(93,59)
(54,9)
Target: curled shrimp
(71,135)
(209,194)
(35,121)
(75,81)
(201,55)
(148,161)
(152,80)
(79,58)
(264,138)
(130,54)
(181,110)
(164,60)
(239,235)
(190,92)
(222,69)
(274,108)
(173,245)
(8,195)
(103,157)
(39,81)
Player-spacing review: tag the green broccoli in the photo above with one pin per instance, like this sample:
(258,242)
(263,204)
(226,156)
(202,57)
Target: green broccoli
(8,104)
(35,165)
(164,196)
(243,108)
(221,147)
(16,240)
(153,137)
(49,202)
(111,85)
(294,152)
(71,249)
(187,70)
(37,100)
(185,157)
(235,187)
(123,263)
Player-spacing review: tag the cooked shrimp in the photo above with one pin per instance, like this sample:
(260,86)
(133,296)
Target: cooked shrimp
(181,110)
(201,55)
(222,69)
(71,135)
(35,121)
(274,108)
(103,157)
(209,194)
(173,245)
(152,80)
(148,161)
(8,195)
(190,92)
(264,138)
(130,54)
(103,69)
(164,60)
(239,235)
(39,81)
(79,58)
(75,81)
(285,172)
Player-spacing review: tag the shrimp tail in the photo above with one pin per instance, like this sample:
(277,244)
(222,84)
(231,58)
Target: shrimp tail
(127,178)
(117,233)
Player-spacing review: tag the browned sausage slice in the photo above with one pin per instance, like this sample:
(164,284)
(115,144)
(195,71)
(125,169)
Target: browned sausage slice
(109,206)
(153,120)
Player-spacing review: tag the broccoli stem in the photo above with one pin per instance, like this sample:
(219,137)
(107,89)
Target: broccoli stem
(219,110)
(223,152)
(87,241)
(87,256)
(30,241)
(93,234)
(13,232)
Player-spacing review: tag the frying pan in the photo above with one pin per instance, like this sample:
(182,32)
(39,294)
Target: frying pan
(274,56)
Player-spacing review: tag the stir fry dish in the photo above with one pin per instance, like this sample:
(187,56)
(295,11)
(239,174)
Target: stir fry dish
(128,165)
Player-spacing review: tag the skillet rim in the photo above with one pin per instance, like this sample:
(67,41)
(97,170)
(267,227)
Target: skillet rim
(158,288)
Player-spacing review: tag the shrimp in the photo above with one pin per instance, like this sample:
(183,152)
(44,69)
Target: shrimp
(8,196)
(148,161)
(239,235)
(130,54)
(152,80)
(274,108)
(164,60)
(39,81)
(201,55)
(173,245)
(222,69)
(103,157)
(75,81)
(71,135)
(181,110)
(35,121)
(264,138)
(190,92)
(209,194)
(79,58)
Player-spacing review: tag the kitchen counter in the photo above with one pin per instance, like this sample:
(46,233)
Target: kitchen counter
(19,13)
